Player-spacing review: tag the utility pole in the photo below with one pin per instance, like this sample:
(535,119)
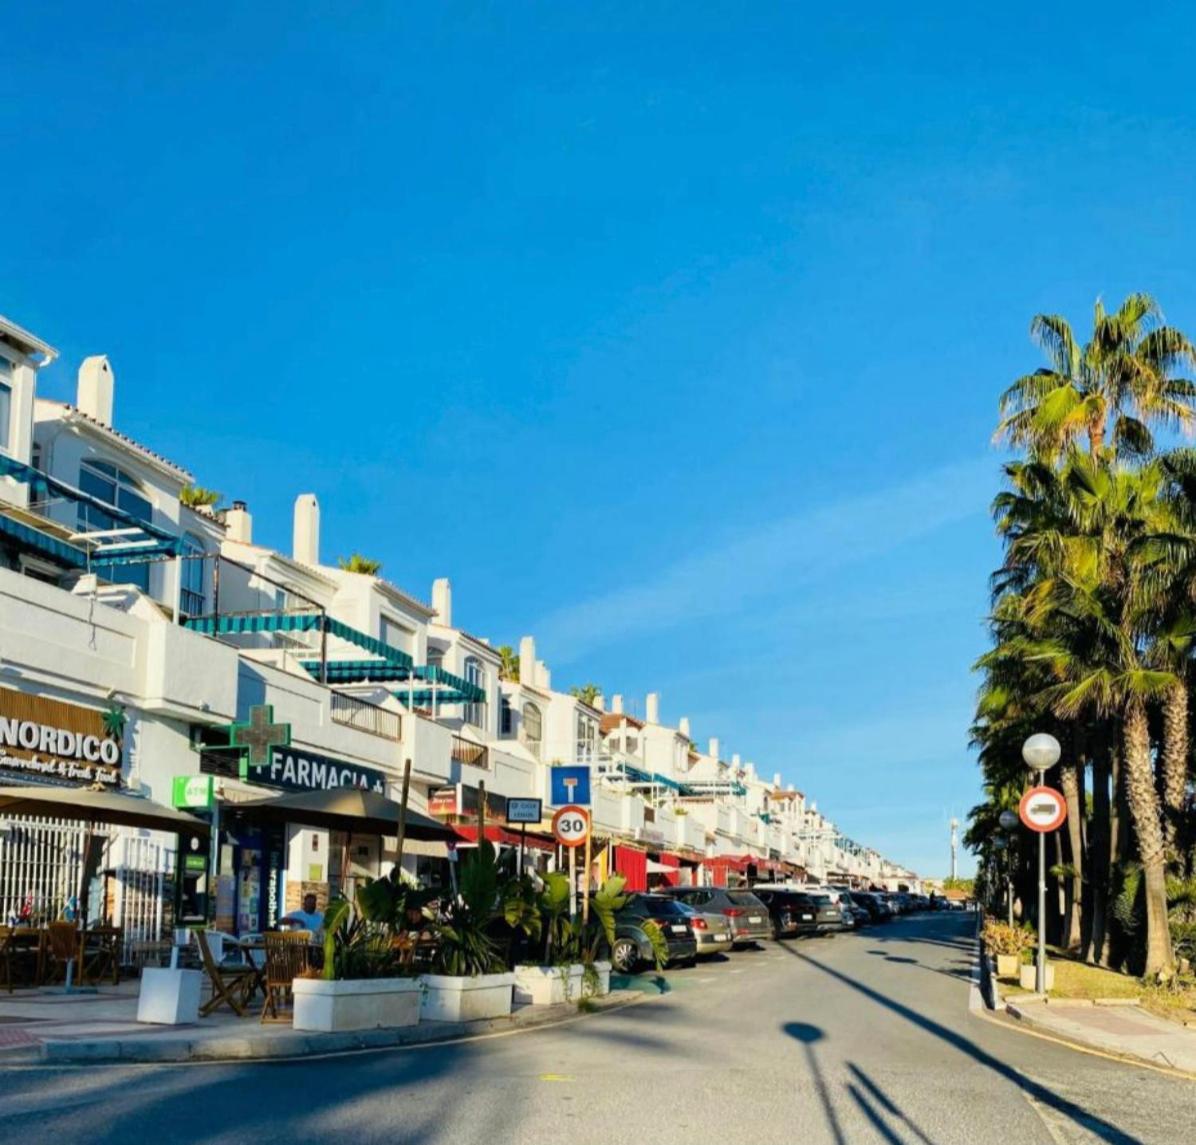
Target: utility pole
(954,849)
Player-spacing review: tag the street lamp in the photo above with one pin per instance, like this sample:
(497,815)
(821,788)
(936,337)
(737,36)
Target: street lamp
(1009,822)
(1040,752)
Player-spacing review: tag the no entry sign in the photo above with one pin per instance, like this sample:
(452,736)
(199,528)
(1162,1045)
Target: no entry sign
(1042,809)
(571,826)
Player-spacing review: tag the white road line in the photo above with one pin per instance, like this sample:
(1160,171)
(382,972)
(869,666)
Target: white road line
(1051,1127)
(704,980)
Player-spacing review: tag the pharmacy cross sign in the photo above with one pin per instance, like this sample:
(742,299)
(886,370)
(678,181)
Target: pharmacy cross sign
(260,735)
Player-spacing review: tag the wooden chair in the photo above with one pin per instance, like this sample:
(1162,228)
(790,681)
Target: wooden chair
(99,954)
(6,952)
(63,945)
(231,985)
(287,957)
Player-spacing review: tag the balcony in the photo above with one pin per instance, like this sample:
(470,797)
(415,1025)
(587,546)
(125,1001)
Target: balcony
(470,754)
(366,717)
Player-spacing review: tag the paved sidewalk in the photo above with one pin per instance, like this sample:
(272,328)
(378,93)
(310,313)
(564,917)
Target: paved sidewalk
(41,1026)
(1127,1031)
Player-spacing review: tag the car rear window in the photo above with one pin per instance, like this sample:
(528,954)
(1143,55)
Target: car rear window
(659,904)
(822,900)
(742,898)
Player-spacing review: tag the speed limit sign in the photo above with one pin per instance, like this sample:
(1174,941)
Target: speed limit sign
(571,826)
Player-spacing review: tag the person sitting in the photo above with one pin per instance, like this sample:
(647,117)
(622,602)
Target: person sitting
(306,919)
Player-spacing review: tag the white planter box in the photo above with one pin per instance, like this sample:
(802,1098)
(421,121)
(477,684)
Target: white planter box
(169,997)
(548,985)
(1008,965)
(603,969)
(1028,979)
(360,1004)
(452,999)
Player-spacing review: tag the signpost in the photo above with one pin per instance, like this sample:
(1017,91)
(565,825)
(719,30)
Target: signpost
(571,828)
(523,812)
(1042,809)
(570,786)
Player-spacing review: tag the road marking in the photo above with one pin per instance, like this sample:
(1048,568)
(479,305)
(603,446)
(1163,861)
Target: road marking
(555,1077)
(705,979)
(1051,1127)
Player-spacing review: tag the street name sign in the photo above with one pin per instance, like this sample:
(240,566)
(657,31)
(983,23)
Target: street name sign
(1042,809)
(524,810)
(571,826)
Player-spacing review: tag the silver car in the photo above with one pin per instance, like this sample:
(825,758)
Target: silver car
(747,915)
(712,932)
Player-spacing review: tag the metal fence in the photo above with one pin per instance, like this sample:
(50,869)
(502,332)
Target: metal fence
(144,880)
(364,716)
(41,864)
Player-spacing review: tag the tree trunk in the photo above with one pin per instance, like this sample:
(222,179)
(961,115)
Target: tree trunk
(1099,852)
(1174,761)
(1069,780)
(1143,800)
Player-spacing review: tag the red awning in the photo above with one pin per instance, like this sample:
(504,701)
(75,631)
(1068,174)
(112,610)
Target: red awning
(730,862)
(500,835)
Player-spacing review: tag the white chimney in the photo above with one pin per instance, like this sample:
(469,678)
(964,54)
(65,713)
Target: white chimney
(600,702)
(750,768)
(238,523)
(776,780)
(791,787)
(683,726)
(96,382)
(527,661)
(735,761)
(543,676)
(652,708)
(714,748)
(442,601)
(616,704)
(306,541)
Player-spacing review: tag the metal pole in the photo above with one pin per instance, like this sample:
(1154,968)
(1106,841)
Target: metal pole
(572,881)
(1040,965)
(585,892)
(522,845)
(402,818)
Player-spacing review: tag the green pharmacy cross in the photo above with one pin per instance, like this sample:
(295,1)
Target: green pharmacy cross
(259,736)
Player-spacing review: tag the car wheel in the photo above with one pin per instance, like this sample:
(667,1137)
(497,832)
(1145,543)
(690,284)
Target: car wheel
(625,955)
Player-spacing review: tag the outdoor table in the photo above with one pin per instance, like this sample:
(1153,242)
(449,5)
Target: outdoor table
(249,948)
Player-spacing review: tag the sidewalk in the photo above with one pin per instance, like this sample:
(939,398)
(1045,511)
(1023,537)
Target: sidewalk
(39,1026)
(1126,1031)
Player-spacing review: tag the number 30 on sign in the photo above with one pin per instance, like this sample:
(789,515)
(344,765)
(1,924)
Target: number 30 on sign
(571,826)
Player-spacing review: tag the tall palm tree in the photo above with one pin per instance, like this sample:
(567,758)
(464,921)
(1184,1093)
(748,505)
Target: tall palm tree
(1117,387)
(508,667)
(586,693)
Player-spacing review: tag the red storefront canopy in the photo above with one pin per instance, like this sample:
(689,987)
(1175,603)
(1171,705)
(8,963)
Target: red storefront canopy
(507,838)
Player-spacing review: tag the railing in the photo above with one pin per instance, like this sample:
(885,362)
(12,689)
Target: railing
(366,717)
(467,752)
(191,603)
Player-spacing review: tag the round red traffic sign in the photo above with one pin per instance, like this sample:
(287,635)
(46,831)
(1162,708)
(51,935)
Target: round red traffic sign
(571,825)
(1042,809)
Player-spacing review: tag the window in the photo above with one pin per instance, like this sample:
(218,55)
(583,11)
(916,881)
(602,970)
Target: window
(506,717)
(107,483)
(5,403)
(475,674)
(587,737)
(191,596)
(531,728)
(394,634)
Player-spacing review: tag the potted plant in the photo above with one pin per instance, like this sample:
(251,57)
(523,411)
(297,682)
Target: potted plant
(470,979)
(363,985)
(558,978)
(1006,944)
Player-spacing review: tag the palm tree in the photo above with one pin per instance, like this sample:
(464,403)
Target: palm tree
(1121,383)
(196,497)
(359,564)
(508,668)
(586,693)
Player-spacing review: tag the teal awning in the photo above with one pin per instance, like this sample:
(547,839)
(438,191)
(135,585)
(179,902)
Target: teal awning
(43,543)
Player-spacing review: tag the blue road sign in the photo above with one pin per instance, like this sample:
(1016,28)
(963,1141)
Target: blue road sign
(570,785)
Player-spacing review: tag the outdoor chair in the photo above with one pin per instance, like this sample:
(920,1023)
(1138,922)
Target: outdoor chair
(6,953)
(287,957)
(231,985)
(99,954)
(62,948)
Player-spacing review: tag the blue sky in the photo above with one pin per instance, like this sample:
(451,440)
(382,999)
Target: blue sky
(671,333)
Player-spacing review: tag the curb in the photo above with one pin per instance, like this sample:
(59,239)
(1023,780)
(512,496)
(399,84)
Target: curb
(259,1049)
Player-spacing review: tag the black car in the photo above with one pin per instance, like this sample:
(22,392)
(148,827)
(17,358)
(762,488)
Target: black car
(877,911)
(819,913)
(747,915)
(785,910)
(632,946)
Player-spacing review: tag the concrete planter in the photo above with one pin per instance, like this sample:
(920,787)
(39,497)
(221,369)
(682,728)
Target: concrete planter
(603,969)
(452,999)
(169,997)
(360,1004)
(548,985)
(1008,965)
(1026,981)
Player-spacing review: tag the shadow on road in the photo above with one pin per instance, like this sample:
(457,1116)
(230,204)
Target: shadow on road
(1097,1126)
(808,1035)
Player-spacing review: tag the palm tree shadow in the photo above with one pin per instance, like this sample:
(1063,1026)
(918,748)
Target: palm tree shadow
(1097,1126)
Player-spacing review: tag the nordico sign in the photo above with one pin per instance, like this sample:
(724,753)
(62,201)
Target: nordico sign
(55,739)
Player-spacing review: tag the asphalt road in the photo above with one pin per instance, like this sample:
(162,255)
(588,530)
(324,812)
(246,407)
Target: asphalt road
(856,1038)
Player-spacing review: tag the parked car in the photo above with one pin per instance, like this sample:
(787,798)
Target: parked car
(841,897)
(632,947)
(712,931)
(746,913)
(828,917)
(783,912)
(878,910)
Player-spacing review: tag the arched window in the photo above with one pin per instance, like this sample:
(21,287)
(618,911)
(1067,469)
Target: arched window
(115,487)
(531,728)
(475,674)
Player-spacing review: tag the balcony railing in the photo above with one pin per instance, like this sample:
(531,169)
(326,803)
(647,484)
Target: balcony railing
(366,717)
(467,752)
(191,603)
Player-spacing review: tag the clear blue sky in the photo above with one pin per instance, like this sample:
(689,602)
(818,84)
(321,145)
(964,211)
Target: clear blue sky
(672,336)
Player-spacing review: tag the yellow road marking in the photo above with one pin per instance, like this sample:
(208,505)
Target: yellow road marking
(555,1077)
